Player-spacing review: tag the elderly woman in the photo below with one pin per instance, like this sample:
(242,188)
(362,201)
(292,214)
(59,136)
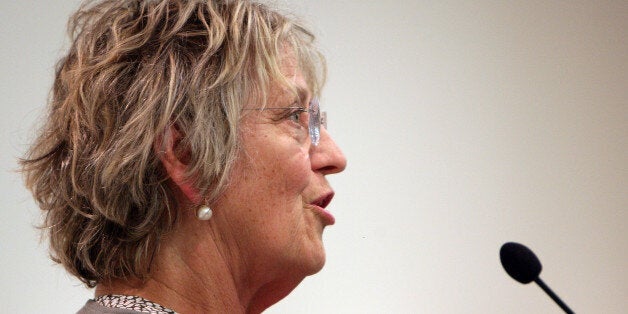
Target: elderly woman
(182,165)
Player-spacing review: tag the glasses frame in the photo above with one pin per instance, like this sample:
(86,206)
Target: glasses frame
(316,118)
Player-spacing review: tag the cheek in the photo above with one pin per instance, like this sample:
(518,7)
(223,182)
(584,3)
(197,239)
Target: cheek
(297,171)
(278,174)
(275,165)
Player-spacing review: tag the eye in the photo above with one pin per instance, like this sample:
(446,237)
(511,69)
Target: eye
(295,115)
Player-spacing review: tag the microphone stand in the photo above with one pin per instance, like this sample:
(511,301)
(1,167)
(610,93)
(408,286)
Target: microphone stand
(553,295)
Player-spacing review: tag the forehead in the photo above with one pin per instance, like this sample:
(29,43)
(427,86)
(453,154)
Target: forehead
(294,82)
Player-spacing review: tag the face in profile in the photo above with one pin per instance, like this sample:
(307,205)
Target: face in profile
(274,204)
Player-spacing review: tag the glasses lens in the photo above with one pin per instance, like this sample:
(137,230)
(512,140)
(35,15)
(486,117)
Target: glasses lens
(315,121)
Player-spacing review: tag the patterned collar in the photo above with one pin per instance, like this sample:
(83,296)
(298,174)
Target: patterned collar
(134,303)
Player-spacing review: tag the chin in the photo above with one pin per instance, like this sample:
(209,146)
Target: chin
(307,255)
(315,260)
(318,267)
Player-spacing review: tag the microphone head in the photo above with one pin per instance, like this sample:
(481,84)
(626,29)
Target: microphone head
(520,262)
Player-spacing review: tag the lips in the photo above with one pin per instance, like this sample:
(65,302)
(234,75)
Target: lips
(319,208)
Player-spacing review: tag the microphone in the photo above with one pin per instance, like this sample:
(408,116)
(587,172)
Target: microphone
(523,266)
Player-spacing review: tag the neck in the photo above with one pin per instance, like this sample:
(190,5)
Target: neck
(193,273)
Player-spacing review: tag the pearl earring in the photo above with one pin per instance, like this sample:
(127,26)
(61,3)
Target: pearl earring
(204,213)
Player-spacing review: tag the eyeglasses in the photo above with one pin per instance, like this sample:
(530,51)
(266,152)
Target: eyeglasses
(316,118)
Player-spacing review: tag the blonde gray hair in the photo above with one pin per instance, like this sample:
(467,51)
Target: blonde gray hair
(134,69)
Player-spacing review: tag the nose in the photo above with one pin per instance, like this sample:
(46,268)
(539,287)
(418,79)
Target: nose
(326,157)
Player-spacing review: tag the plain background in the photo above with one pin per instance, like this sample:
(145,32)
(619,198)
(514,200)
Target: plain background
(467,124)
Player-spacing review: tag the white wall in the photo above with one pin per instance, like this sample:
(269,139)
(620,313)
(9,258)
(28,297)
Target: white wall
(466,123)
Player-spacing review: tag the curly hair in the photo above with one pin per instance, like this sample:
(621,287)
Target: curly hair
(134,69)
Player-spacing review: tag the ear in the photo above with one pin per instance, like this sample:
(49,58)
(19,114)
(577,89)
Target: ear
(173,158)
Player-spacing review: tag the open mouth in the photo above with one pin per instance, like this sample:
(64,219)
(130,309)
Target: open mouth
(319,208)
(324,201)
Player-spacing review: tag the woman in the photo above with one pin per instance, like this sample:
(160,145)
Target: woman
(182,166)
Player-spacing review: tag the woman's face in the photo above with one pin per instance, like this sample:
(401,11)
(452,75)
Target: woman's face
(273,209)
